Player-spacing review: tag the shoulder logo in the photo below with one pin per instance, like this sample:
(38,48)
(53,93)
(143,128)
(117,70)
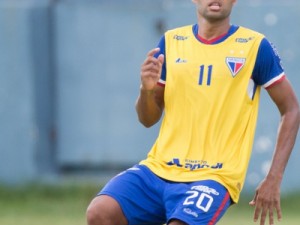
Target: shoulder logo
(244,40)
(235,64)
(180,60)
(180,38)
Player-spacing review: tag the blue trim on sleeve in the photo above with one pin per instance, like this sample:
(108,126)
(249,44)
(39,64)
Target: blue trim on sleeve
(162,46)
(268,63)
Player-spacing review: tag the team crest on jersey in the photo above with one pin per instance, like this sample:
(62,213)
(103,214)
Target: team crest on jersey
(235,64)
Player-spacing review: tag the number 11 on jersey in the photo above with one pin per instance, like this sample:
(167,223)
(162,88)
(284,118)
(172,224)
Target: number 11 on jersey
(202,72)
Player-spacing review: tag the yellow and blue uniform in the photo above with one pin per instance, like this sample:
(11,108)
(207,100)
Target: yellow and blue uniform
(197,166)
(211,105)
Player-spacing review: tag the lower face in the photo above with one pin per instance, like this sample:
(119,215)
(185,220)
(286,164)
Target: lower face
(214,11)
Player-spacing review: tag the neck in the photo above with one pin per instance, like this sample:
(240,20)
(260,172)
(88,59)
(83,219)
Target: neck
(208,30)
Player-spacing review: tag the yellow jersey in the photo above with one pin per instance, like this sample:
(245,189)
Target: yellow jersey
(211,108)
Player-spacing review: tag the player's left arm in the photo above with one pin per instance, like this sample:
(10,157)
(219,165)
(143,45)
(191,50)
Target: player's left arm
(271,76)
(267,196)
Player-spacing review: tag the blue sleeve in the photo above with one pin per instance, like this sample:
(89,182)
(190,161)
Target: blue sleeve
(268,68)
(162,47)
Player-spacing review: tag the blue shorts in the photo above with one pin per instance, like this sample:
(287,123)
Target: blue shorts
(146,198)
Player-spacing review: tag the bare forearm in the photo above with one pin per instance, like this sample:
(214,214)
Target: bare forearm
(148,109)
(267,195)
(150,102)
(285,142)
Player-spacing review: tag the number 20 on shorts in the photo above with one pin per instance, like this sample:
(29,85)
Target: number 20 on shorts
(202,200)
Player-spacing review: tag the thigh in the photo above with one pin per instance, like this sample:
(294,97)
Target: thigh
(202,203)
(139,193)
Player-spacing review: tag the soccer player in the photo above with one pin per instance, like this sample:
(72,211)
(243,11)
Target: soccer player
(205,80)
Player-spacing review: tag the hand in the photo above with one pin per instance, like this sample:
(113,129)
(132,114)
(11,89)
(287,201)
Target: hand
(151,70)
(266,199)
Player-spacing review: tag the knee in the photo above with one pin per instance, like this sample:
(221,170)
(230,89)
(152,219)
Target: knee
(104,210)
(96,214)
(93,215)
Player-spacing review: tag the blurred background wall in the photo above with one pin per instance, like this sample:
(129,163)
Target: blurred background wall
(69,78)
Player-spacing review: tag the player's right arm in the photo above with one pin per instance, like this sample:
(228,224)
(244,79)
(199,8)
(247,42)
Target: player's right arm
(150,102)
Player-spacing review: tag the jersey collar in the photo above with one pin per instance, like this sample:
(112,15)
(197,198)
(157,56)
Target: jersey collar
(217,40)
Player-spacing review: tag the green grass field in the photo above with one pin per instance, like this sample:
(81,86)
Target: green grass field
(46,205)
(66,205)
